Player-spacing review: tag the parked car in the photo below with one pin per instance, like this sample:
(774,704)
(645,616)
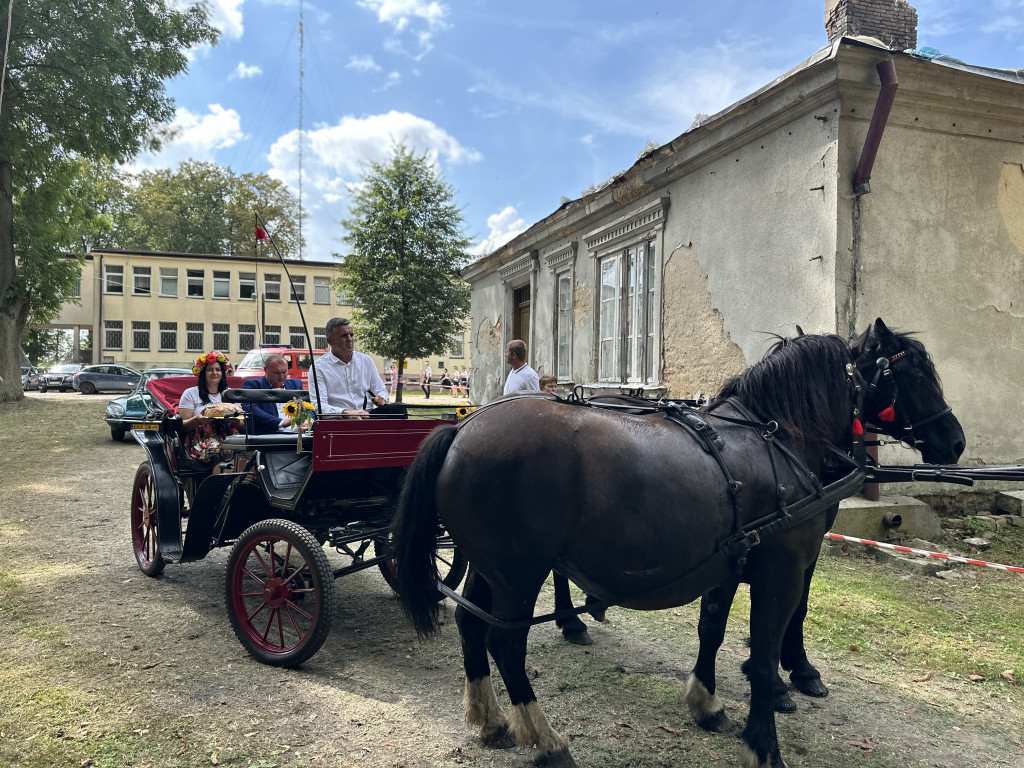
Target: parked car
(59,377)
(29,377)
(298,362)
(139,409)
(99,378)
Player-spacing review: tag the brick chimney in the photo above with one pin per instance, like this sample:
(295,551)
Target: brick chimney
(894,22)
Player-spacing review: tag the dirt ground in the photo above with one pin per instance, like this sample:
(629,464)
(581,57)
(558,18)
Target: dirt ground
(100,665)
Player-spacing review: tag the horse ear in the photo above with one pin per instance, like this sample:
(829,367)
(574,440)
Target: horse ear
(799,331)
(860,343)
(881,330)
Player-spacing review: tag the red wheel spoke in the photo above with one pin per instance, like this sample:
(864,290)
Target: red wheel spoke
(256,551)
(291,606)
(253,576)
(280,629)
(270,623)
(305,567)
(252,615)
(287,557)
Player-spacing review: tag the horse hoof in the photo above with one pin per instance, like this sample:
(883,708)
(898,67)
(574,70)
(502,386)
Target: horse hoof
(559,759)
(501,738)
(577,637)
(784,702)
(717,722)
(810,686)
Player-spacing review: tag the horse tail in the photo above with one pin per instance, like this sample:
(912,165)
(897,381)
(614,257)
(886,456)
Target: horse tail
(414,533)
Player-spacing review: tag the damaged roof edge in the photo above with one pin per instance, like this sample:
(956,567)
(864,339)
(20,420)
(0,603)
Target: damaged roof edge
(514,247)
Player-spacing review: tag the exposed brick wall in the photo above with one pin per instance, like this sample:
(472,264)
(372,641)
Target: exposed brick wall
(894,22)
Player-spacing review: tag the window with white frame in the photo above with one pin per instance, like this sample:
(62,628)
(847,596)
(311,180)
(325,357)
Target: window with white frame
(113,333)
(626,315)
(246,337)
(140,336)
(113,279)
(457,346)
(194,337)
(298,292)
(320,338)
(296,336)
(222,336)
(168,337)
(141,277)
(221,285)
(246,286)
(168,281)
(194,287)
(76,293)
(321,290)
(563,325)
(272,334)
(272,287)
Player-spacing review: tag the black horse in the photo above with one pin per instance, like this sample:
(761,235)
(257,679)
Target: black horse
(639,513)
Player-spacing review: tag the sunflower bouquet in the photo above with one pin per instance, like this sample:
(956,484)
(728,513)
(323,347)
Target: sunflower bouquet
(300,412)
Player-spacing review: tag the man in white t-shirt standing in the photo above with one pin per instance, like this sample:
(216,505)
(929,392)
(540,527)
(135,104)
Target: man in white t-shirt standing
(522,378)
(347,382)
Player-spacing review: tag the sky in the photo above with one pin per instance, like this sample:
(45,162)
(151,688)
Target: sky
(519,103)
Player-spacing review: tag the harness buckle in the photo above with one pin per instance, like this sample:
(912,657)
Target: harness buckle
(752,538)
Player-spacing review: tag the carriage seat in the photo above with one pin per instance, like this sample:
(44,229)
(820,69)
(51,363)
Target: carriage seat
(174,447)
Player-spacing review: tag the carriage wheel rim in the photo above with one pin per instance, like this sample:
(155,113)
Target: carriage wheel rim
(270,584)
(144,526)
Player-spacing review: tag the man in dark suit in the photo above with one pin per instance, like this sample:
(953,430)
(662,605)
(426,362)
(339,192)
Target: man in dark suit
(268,417)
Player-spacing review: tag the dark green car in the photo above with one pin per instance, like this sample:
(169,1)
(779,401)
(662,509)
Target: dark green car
(139,409)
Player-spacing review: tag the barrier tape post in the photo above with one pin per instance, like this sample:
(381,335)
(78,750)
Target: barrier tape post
(925,553)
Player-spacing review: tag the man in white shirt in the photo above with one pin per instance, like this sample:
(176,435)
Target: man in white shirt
(348,381)
(522,378)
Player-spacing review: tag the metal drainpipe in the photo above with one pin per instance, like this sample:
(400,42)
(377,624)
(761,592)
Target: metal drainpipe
(97,336)
(887,74)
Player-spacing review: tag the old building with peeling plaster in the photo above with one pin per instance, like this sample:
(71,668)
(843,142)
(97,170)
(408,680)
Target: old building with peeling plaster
(673,275)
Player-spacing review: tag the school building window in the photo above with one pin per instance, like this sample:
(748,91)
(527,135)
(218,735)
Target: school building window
(626,318)
(321,290)
(141,277)
(113,279)
(246,286)
(140,336)
(113,332)
(194,286)
(320,338)
(246,337)
(272,334)
(168,337)
(296,336)
(299,290)
(222,285)
(169,281)
(272,287)
(194,337)
(221,336)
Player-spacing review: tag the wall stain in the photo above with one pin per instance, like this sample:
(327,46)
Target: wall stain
(1010,199)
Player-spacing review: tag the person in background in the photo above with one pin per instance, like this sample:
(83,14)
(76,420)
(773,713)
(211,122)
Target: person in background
(348,382)
(269,417)
(394,378)
(522,378)
(446,381)
(548,383)
(425,381)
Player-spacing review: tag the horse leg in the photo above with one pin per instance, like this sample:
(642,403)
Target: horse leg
(573,628)
(479,703)
(772,602)
(805,677)
(700,687)
(526,720)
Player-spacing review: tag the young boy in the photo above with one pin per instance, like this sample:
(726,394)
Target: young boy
(548,383)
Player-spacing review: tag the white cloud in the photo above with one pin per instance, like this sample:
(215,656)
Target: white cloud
(195,137)
(505,225)
(363,64)
(399,13)
(226,15)
(244,71)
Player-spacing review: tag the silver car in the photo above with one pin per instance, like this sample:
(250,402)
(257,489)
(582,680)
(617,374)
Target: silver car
(105,378)
(59,377)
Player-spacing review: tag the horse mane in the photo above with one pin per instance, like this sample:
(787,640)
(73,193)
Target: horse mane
(797,384)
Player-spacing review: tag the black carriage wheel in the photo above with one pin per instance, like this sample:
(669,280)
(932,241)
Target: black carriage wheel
(280,592)
(87,388)
(451,565)
(144,526)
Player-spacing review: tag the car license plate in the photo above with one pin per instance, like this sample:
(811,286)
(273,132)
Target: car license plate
(147,426)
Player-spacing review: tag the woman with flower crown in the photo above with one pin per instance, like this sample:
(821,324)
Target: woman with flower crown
(205,430)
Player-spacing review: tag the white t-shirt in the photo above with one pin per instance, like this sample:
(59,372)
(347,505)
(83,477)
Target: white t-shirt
(523,379)
(190,399)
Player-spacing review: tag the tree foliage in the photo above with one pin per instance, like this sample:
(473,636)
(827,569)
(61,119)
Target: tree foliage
(84,81)
(402,275)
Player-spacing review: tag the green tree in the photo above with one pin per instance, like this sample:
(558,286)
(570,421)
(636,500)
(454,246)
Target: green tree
(84,81)
(274,202)
(407,247)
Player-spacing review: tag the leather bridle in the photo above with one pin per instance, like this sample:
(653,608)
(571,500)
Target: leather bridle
(884,372)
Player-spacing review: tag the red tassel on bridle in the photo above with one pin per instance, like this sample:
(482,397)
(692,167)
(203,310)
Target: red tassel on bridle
(857,428)
(887,415)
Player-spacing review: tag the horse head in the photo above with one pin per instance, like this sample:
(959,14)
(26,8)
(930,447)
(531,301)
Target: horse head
(904,395)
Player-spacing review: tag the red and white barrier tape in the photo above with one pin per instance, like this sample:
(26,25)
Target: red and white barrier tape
(911,550)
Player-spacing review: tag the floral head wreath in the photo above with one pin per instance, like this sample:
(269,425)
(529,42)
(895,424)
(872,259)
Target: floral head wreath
(212,357)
